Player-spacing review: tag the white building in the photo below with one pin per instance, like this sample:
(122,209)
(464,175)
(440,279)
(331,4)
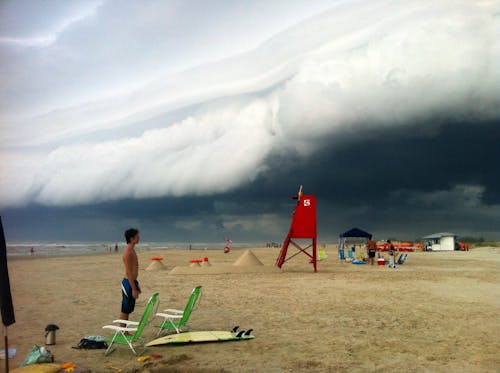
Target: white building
(443,241)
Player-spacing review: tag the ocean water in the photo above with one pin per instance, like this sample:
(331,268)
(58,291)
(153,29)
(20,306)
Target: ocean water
(85,248)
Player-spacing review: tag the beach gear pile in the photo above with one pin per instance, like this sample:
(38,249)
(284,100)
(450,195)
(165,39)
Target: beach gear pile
(92,343)
(41,360)
(38,355)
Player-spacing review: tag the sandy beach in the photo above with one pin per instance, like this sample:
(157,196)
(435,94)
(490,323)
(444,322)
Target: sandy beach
(439,312)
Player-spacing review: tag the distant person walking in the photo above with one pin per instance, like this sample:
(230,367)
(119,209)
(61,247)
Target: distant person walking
(371,248)
(116,247)
(130,285)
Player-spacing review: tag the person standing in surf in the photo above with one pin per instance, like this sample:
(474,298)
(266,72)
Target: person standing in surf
(130,285)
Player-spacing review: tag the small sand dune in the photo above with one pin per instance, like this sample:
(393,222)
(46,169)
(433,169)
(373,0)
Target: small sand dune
(156,265)
(248,259)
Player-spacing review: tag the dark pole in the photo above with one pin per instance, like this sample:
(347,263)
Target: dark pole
(6,306)
(6,350)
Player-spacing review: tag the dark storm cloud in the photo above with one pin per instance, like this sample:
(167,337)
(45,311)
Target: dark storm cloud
(106,221)
(366,166)
(366,169)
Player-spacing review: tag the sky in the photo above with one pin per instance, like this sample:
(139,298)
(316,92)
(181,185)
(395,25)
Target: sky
(198,120)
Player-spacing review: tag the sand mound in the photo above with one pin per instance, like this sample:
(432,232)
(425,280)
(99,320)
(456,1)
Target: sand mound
(156,265)
(248,258)
(223,269)
(246,263)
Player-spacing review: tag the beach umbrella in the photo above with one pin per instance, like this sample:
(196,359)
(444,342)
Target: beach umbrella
(5,295)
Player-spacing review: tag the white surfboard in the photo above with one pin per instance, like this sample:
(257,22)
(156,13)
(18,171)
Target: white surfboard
(202,336)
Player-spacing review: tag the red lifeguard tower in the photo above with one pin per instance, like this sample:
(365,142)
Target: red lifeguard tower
(303,227)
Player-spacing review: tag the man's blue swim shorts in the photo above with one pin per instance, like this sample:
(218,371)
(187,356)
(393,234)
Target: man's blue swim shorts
(128,301)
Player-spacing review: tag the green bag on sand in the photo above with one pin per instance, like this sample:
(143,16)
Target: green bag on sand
(38,355)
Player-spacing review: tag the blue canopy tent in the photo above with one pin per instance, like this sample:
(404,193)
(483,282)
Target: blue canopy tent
(354,233)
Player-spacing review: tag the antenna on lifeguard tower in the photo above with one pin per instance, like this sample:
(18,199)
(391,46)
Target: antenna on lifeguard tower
(303,227)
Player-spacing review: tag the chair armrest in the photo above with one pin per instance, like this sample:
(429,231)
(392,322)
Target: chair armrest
(119,328)
(169,316)
(127,322)
(171,310)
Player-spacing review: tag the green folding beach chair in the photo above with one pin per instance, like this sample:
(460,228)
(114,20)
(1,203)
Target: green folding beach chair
(177,319)
(137,327)
(322,255)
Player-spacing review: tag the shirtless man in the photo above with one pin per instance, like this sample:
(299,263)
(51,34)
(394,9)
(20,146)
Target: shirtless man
(130,285)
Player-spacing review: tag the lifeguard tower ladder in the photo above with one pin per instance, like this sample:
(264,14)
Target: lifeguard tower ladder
(303,227)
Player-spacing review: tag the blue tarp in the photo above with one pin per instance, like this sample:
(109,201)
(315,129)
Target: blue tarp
(356,232)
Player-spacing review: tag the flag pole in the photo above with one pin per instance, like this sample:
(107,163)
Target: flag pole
(6,306)
(6,349)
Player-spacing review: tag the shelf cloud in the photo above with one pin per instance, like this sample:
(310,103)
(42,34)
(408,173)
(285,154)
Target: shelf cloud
(99,111)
